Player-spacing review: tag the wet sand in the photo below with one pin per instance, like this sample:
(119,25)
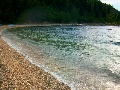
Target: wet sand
(17,73)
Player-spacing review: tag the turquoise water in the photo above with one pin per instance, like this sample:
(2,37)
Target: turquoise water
(84,57)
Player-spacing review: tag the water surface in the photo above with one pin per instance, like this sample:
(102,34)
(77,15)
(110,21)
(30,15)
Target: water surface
(84,57)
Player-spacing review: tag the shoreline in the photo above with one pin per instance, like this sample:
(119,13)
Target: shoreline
(16,72)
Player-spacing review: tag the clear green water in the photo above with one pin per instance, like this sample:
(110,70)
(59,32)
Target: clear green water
(85,57)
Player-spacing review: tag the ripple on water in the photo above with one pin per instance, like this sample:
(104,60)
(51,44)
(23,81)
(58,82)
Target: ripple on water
(84,57)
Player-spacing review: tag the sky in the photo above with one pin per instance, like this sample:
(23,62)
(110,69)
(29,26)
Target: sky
(114,3)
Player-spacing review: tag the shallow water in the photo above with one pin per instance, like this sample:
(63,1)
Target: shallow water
(84,57)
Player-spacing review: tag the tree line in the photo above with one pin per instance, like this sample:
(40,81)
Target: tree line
(59,11)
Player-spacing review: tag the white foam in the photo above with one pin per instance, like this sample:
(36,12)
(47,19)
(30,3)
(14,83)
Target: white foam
(83,74)
(20,49)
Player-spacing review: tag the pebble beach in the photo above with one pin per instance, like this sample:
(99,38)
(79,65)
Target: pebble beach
(17,73)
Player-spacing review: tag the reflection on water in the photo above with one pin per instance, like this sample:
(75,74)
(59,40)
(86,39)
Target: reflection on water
(87,57)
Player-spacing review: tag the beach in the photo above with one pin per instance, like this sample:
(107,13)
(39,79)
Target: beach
(17,73)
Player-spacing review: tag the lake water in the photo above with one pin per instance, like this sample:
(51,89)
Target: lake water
(84,57)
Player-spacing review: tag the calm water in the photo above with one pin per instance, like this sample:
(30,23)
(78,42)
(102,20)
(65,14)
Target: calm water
(84,57)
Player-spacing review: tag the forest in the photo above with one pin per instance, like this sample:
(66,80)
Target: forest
(57,11)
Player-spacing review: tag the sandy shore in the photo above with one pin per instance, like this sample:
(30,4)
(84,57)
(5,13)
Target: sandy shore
(17,73)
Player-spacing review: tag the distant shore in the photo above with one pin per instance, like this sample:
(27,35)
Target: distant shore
(17,73)
(57,24)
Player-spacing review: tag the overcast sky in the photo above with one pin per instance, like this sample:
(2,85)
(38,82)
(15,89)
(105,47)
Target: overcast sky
(114,3)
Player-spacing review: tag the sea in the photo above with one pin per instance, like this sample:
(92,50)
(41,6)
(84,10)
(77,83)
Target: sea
(83,57)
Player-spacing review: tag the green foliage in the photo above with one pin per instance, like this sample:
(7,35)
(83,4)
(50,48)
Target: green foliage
(59,11)
(58,16)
